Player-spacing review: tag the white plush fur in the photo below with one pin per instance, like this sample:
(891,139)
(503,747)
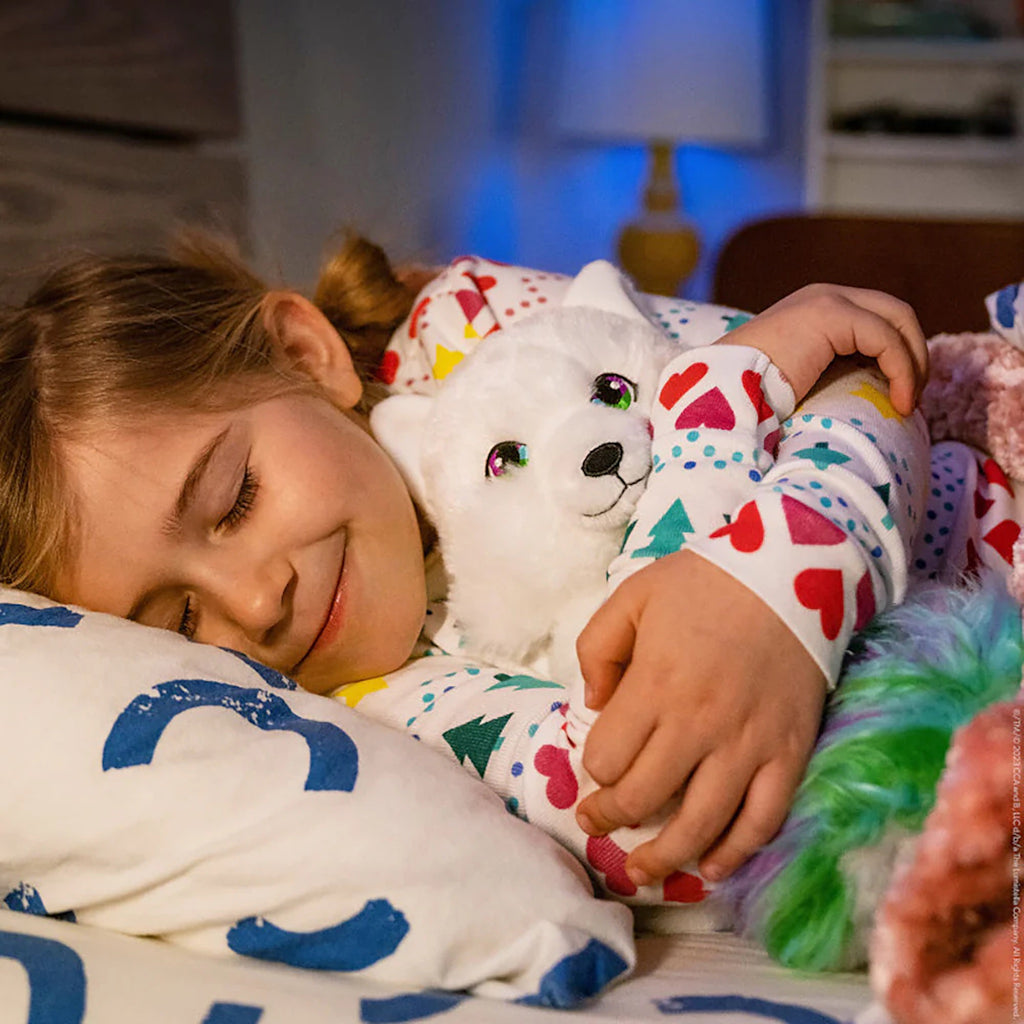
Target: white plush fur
(527,551)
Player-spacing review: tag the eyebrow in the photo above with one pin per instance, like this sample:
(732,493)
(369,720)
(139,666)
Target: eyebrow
(191,484)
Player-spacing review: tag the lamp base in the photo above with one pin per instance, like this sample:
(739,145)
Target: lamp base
(658,253)
(659,249)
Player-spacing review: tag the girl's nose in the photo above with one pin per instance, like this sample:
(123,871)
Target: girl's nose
(254,598)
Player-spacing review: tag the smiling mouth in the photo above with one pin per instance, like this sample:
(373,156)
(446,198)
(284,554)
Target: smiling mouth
(626,485)
(335,617)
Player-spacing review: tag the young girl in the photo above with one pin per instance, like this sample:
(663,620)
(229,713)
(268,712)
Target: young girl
(186,448)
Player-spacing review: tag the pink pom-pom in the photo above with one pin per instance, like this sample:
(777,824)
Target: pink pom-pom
(944,936)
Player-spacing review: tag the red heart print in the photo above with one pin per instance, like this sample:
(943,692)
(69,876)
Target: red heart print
(981,504)
(865,597)
(388,369)
(752,386)
(771,442)
(679,383)
(711,410)
(483,282)
(806,526)
(746,531)
(605,856)
(1002,537)
(553,763)
(821,590)
(682,887)
(470,303)
(994,474)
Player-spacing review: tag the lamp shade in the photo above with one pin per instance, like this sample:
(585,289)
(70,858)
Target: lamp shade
(679,70)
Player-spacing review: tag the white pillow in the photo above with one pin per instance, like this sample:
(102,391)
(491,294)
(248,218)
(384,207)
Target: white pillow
(158,787)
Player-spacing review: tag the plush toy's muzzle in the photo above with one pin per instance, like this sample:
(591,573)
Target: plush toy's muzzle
(593,464)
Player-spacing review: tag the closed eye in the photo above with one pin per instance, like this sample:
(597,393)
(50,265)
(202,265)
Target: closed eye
(187,625)
(243,503)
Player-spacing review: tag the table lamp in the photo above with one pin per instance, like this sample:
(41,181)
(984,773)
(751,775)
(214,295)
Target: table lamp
(664,73)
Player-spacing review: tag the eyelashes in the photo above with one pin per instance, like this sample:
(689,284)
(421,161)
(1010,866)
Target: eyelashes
(243,504)
(244,501)
(187,625)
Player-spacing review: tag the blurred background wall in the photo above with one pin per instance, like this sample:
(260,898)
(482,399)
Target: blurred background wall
(439,126)
(429,125)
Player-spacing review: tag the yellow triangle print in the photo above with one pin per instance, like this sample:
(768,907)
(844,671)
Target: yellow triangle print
(470,332)
(879,400)
(353,693)
(445,360)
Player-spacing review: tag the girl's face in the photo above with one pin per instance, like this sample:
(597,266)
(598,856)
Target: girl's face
(280,530)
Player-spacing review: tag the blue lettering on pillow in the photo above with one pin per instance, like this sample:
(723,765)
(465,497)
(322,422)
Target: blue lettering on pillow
(233,1013)
(577,977)
(56,977)
(333,756)
(787,1013)
(407,1007)
(23,615)
(365,938)
(25,899)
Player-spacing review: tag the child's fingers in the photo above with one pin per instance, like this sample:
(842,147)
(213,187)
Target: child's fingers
(621,731)
(879,340)
(867,333)
(764,809)
(603,649)
(655,774)
(714,792)
(901,316)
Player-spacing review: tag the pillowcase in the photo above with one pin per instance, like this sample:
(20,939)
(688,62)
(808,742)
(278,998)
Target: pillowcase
(158,787)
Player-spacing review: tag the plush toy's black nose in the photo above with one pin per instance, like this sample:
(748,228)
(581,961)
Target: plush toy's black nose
(602,460)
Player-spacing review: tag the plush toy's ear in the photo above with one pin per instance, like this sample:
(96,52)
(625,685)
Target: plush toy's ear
(399,425)
(601,285)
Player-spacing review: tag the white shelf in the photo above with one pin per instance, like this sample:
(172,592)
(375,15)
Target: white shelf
(927,51)
(941,174)
(918,148)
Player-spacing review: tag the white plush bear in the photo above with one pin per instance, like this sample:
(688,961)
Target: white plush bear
(529,461)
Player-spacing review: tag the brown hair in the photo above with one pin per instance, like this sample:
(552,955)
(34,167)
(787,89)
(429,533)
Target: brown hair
(105,337)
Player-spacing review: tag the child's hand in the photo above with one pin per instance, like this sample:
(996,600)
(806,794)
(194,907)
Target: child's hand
(805,331)
(718,699)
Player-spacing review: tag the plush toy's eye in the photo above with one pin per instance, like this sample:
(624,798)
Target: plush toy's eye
(504,456)
(613,390)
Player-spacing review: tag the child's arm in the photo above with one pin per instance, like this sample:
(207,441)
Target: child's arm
(719,684)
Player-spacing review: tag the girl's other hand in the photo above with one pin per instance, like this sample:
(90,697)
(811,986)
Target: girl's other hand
(804,332)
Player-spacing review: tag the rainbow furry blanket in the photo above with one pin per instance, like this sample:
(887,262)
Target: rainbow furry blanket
(920,672)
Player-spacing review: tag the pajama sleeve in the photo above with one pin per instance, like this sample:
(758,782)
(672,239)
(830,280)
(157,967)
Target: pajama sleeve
(816,516)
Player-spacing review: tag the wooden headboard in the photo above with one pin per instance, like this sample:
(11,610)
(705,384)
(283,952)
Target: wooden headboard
(943,268)
(118,120)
